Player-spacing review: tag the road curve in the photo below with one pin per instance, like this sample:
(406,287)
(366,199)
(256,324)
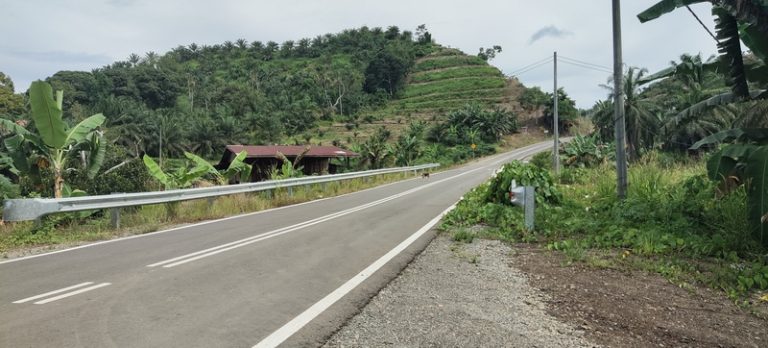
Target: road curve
(286,276)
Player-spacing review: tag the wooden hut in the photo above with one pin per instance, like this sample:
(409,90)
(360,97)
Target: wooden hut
(316,160)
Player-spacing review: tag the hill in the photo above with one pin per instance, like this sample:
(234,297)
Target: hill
(438,83)
(335,88)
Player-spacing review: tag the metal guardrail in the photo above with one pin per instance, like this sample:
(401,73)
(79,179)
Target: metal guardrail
(26,209)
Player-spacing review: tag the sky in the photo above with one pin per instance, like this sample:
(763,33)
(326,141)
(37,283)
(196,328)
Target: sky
(42,37)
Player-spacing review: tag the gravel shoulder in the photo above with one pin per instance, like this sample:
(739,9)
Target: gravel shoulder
(491,294)
(459,295)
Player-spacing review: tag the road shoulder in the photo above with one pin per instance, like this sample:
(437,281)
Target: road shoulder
(458,295)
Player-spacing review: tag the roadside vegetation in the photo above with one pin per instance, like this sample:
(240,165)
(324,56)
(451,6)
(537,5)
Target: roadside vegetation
(696,209)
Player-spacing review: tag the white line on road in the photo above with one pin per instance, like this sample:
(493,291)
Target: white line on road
(53,292)
(73,293)
(176,261)
(293,326)
(156,233)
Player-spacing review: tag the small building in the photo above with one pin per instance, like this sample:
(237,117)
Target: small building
(316,160)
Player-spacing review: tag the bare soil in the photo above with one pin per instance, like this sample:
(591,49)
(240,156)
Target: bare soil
(622,308)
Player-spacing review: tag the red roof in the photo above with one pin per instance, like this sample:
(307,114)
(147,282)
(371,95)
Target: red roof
(291,151)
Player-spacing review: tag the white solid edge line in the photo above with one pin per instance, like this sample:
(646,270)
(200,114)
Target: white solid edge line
(53,292)
(286,331)
(73,293)
(150,234)
(293,326)
(266,235)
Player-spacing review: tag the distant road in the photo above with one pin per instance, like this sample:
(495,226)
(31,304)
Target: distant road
(285,276)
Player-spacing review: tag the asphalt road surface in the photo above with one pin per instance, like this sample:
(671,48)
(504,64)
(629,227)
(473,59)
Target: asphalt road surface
(288,276)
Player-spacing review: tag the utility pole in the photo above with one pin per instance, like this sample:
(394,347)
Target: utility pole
(618,93)
(556,126)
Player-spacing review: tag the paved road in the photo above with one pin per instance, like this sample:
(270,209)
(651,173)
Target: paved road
(289,275)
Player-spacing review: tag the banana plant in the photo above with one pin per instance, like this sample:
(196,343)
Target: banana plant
(180,177)
(736,21)
(197,167)
(238,168)
(55,143)
(743,162)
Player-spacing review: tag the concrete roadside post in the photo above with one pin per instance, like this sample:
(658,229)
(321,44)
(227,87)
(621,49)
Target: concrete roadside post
(114,217)
(524,196)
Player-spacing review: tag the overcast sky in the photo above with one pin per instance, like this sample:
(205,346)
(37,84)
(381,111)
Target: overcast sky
(41,37)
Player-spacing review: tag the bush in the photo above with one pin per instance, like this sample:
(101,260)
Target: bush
(131,176)
(524,175)
(586,152)
(542,160)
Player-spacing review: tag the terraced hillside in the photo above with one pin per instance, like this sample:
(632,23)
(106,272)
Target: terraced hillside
(438,84)
(448,79)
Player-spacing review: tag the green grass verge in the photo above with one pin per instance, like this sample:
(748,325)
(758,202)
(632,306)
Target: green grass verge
(447,104)
(447,62)
(467,94)
(462,71)
(453,85)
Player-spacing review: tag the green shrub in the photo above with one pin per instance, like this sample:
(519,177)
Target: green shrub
(128,175)
(586,152)
(525,175)
(542,160)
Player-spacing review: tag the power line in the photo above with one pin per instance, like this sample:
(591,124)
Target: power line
(586,63)
(523,71)
(531,66)
(587,67)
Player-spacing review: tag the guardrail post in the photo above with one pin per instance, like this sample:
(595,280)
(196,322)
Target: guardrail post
(114,217)
(210,202)
(290,191)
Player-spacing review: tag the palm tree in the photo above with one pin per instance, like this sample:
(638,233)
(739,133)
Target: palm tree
(642,124)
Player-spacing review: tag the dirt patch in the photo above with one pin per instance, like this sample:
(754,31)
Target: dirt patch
(458,295)
(636,309)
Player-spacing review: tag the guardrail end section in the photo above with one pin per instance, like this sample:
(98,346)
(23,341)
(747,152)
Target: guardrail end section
(27,209)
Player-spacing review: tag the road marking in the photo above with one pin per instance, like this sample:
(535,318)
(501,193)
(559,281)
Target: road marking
(293,326)
(202,223)
(180,260)
(235,216)
(73,293)
(53,292)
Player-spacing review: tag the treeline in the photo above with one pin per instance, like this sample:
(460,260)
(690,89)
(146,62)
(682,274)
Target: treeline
(198,97)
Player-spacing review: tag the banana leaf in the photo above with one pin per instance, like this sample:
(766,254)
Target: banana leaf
(98,153)
(664,7)
(46,113)
(156,172)
(757,193)
(79,132)
(754,135)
